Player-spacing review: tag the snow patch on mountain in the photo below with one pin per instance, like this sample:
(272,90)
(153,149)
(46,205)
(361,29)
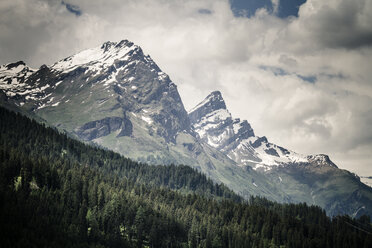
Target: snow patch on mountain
(99,58)
(147,119)
(16,82)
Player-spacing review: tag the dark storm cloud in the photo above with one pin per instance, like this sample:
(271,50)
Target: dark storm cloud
(347,26)
(74,9)
(348,39)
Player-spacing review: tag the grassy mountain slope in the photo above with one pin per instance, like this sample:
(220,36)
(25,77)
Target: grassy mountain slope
(333,189)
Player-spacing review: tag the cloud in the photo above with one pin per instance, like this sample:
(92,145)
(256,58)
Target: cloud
(304,82)
(275,4)
(338,23)
(74,9)
(310,79)
(205,11)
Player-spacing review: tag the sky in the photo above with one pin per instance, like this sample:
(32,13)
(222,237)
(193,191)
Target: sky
(299,71)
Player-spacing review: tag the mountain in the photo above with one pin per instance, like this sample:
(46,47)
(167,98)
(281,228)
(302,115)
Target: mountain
(115,96)
(235,138)
(313,179)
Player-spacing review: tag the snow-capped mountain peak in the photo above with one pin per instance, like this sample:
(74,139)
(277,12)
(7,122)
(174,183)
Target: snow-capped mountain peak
(321,159)
(236,138)
(115,77)
(100,57)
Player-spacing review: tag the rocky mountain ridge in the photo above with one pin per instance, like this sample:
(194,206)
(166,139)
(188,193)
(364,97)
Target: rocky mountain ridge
(117,97)
(234,137)
(314,179)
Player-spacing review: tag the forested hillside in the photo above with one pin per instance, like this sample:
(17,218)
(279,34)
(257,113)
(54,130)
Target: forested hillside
(58,192)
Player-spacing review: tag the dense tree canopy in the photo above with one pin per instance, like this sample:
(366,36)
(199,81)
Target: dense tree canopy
(58,192)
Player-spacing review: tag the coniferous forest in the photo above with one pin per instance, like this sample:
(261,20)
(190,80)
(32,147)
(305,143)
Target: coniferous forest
(58,192)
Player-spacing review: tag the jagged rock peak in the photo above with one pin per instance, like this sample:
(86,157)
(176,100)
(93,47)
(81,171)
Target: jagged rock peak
(214,101)
(321,159)
(122,44)
(242,129)
(14,68)
(16,64)
(211,103)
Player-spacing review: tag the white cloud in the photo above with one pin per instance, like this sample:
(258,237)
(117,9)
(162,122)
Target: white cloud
(275,6)
(256,62)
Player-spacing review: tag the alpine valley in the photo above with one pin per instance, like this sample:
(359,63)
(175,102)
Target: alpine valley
(116,97)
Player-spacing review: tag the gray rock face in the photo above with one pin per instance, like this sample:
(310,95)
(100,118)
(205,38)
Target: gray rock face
(244,129)
(126,128)
(257,143)
(212,102)
(96,129)
(215,125)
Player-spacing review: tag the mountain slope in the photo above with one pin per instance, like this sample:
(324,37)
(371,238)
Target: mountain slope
(314,179)
(117,97)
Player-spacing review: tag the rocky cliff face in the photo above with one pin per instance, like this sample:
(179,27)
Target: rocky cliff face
(214,124)
(236,138)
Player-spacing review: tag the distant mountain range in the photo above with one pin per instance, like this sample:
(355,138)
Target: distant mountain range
(117,97)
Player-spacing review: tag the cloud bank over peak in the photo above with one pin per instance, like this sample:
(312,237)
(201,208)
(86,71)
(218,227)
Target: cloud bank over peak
(304,82)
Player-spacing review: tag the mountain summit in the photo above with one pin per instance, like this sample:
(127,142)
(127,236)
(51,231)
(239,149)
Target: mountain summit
(105,87)
(236,138)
